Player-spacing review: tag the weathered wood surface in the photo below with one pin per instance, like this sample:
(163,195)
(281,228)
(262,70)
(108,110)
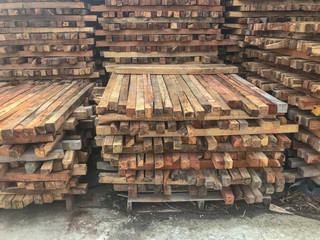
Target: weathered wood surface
(34,109)
(46,40)
(197,95)
(158,32)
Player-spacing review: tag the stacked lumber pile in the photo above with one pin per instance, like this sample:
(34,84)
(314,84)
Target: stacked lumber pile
(46,138)
(235,29)
(283,58)
(46,40)
(209,137)
(304,158)
(157,31)
(282,25)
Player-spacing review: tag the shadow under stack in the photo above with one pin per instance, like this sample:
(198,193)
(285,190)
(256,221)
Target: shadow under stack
(191,137)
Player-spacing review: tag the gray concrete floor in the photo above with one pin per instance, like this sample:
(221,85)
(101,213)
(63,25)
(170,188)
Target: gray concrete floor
(51,221)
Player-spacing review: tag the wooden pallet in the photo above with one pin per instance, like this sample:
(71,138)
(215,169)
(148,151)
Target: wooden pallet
(180,197)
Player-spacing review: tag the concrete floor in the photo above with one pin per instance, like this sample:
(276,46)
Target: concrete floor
(51,221)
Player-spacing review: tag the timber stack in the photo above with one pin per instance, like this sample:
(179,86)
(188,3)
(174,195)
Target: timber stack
(284,58)
(274,25)
(191,136)
(235,29)
(46,40)
(157,31)
(46,137)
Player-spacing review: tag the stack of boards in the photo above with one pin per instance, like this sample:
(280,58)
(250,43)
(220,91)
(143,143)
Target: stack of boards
(279,25)
(191,137)
(46,40)
(159,31)
(46,138)
(283,54)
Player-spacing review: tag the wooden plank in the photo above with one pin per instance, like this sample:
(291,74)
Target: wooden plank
(47,30)
(289,128)
(103,104)
(16,151)
(31,167)
(131,103)
(46,167)
(123,98)
(89,41)
(105,8)
(29,155)
(114,97)
(166,101)
(154,54)
(99,32)
(26,140)
(18,174)
(177,111)
(140,104)
(174,69)
(151,44)
(36,4)
(69,159)
(3,168)
(149,100)
(250,14)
